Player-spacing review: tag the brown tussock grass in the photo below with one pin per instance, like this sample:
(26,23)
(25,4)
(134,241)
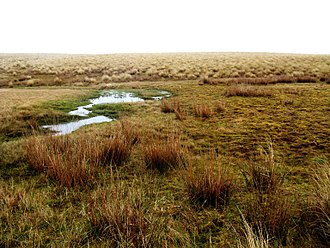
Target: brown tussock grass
(252,238)
(268,209)
(212,186)
(74,160)
(69,161)
(260,80)
(172,106)
(270,215)
(247,91)
(123,215)
(119,216)
(318,214)
(119,143)
(166,106)
(163,155)
(262,175)
(203,111)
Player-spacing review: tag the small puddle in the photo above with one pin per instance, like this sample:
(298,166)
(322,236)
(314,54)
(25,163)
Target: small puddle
(106,98)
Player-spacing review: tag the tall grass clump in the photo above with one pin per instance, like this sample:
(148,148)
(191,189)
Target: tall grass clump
(117,146)
(270,215)
(172,106)
(268,208)
(247,91)
(262,175)
(319,212)
(124,216)
(252,238)
(167,106)
(260,80)
(69,161)
(74,160)
(203,111)
(211,186)
(163,155)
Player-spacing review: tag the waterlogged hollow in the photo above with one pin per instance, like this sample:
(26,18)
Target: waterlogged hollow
(107,97)
(67,128)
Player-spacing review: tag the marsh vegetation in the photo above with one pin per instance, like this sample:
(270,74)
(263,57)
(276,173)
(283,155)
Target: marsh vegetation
(237,156)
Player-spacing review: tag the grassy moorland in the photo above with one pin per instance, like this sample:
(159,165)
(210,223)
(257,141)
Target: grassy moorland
(237,157)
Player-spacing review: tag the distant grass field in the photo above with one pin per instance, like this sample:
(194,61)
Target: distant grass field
(220,163)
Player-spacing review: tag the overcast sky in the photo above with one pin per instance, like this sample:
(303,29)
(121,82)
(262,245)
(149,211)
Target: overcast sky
(126,26)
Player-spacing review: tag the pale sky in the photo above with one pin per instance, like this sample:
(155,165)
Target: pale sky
(127,26)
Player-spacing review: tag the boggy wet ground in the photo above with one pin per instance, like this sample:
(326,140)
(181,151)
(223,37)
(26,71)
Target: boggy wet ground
(294,119)
(106,97)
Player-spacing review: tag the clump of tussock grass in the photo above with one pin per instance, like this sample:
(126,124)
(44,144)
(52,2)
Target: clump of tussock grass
(118,145)
(119,215)
(58,81)
(124,217)
(211,186)
(260,80)
(163,155)
(247,91)
(69,161)
(203,111)
(116,150)
(74,160)
(252,238)
(166,107)
(268,209)
(170,106)
(89,80)
(262,175)
(129,131)
(270,215)
(318,214)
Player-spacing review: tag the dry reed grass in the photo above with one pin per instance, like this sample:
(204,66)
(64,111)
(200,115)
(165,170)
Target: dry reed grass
(319,211)
(261,80)
(213,186)
(69,161)
(163,155)
(252,238)
(74,160)
(262,175)
(123,215)
(172,106)
(270,215)
(247,91)
(203,111)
